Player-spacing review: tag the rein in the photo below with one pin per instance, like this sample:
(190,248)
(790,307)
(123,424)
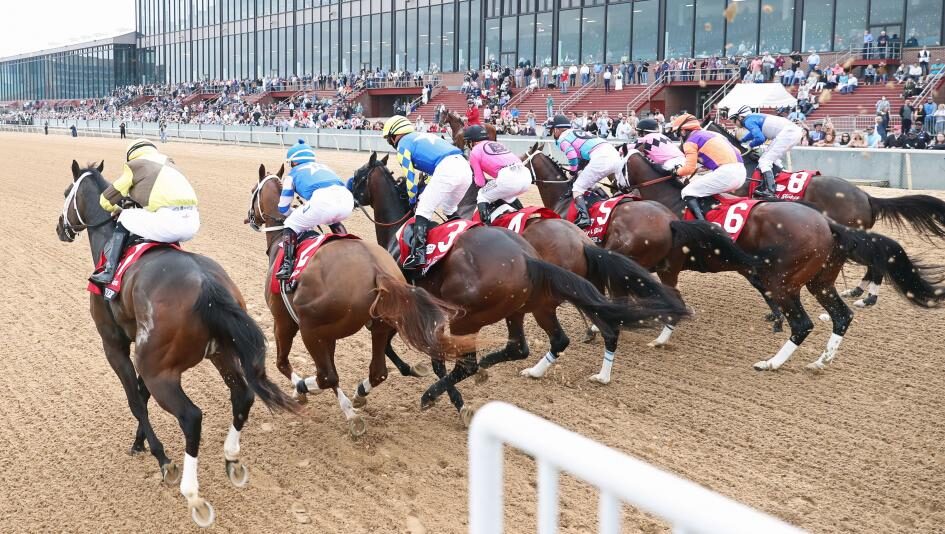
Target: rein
(531,167)
(654,181)
(372,219)
(73,202)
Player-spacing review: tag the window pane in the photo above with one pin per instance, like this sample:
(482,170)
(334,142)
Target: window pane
(818,23)
(569,43)
(446,64)
(885,11)
(777,26)
(475,59)
(462,43)
(618,38)
(644,33)
(526,39)
(743,28)
(374,35)
(333,45)
(509,39)
(924,23)
(355,45)
(679,20)
(401,41)
(325,66)
(851,21)
(436,36)
(423,44)
(385,42)
(543,43)
(412,40)
(592,41)
(492,40)
(346,45)
(709,16)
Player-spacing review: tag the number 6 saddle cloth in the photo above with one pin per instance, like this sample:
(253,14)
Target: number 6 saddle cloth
(440,240)
(791,185)
(731,213)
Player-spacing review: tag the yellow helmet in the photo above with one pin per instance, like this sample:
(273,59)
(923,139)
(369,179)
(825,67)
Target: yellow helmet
(396,125)
(139,147)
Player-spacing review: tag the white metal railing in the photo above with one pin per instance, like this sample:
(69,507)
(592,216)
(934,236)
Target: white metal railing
(932,81)
(577,95)
(647,93)
(690,508)
(719,94)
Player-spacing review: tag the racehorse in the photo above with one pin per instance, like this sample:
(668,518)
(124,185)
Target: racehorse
(850,206)
(455,123)
(493,274)
(349,284)
(801,248)
(645,231)
(178,308)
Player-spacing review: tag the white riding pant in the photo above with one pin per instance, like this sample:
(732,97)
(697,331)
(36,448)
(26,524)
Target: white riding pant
(446,188)
(165,225)
(508,185)
(605,160)
(724,179)
(328,205)
(787,139)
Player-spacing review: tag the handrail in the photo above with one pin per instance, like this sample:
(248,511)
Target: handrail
(575,96)
(719,94)
(931,84)
(647,92)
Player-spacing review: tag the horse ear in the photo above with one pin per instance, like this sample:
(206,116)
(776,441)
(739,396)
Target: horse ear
(281,170)
(384,160)
(534,148)
(101,166)
(373,158)
(262,171)
(75,170)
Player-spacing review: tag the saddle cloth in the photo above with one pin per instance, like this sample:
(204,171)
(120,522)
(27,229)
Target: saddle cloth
(128,258)
(600,215)
(440,240)
(518,220)
(791,185)
(731,213)
(309,243)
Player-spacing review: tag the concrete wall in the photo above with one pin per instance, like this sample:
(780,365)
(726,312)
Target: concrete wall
(906,169)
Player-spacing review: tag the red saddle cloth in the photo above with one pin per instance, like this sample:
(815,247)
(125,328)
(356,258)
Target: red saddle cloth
(791,185)
(440,240)
(600,215)
(128,258)
(518,220)
(731,213)
(304,252)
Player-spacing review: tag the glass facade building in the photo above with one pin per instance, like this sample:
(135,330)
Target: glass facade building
(85,70)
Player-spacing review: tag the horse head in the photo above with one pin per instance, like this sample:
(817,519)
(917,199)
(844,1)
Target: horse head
(264,202)
(81,208)
(554,185)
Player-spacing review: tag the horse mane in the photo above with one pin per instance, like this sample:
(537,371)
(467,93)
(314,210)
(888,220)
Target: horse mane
(91,168)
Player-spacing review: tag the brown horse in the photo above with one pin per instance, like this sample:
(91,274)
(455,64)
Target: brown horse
(178,308)
(802,248)
(645,231)
(850,206)
(493,274)
(456,125)
(348,284)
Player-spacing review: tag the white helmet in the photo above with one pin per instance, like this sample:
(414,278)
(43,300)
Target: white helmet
(739,113)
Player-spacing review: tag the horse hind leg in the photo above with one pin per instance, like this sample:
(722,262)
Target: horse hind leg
(241,398)
(326,377)
(463,369)
(380,340)
(516,348)
(548,321)
(417,370)
(840,315)
(801,327)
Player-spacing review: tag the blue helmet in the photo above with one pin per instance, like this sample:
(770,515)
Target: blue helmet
(300,153)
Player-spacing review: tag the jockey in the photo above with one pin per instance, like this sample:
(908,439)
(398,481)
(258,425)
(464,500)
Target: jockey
(597,157)
(168,212)
(714,152)
(449,178)
(494,159)
(325,198)
(658,148)
(784,136)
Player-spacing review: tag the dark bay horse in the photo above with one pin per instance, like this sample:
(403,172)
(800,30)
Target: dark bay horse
(850,206)
(493,274)
(177,308)
(561,243)
(455,123)
(802,248)
(348,284)
(645,231)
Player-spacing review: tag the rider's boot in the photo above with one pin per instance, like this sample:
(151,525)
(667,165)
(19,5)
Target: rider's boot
(453,216)
(583,218)
(290,239)
(517,204)
(693,204)
(418,249)
(484,213)
(765,189)
(113,252)
(337,228)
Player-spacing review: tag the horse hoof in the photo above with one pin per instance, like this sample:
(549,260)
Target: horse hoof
(466,415)
(764,365)
(426,403)
(655,344)
(358,401)
(852,293)
(816,366)
(136,449)
(170,473)
(867,302)
(770,317)
(825,317)
(777,328)
(237,473)
(357,426)
(420,370)
(530,373)
(589,336)
(599,379)
(301,398)
(202,513)
(482,376)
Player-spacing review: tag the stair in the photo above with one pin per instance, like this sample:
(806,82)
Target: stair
(455,101)
(861,102)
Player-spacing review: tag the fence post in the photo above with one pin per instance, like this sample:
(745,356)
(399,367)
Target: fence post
(486,511)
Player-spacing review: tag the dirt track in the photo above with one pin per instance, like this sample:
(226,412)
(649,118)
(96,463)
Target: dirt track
(856,448)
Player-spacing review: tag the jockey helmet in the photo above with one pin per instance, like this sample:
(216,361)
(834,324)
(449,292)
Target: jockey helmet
(139,147)
(648,126)
(475,133)
(685,122)
(300,153)
(396,125)
(740,113)
(560,121)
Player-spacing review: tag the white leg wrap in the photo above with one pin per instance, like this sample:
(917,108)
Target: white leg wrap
(829,353)
(663,338)
(231,446)
(346,407)
(188,481)
(366,385)
(311,383)
(874,289)
(540,368)
(603,376)
(295,378)
(778,360)
(864,284)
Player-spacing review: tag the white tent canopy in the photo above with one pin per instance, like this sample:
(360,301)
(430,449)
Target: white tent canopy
(757,95)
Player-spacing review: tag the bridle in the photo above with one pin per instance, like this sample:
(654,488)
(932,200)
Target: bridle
(70,230)
(361,178)
(530,164)
(256,204)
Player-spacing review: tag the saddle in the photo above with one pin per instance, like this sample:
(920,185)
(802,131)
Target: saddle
(599,207)
(309,243)
(129,256)
(729,212)
(440,240)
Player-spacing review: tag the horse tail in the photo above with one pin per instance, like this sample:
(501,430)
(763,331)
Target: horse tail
(419,317)
(231,326)
(706,240)
(609,316)
(623,276)
(917,282)
(925,213)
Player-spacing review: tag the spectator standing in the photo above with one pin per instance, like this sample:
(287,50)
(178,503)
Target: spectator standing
(564,80)
(895,139)
(631,72)
(624,131)
(928,110)
(618,83)
(939,119)
(530,121)
(813,60)
(882,109)
(572,74)
(550,106)
(75,132)
(924,57)
(867,43)
(46,128)
(162,128)
(905,114)
(644,72)
(817,135)
(882,45)
(607,75)
(585,74)
(603,129)
(121,129)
